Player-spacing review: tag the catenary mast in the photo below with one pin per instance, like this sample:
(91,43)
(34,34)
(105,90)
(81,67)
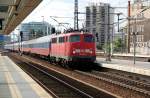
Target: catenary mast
(76,27)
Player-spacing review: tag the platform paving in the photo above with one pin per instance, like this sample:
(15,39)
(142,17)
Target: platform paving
(15,83)
(139,67)
(127,54)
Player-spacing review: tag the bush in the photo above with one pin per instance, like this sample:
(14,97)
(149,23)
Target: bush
(99,47)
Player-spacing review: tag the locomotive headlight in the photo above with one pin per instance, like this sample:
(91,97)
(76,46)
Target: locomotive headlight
(73,52)
(91,51)
(76,51)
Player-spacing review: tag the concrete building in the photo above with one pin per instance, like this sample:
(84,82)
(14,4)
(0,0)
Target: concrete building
(99,21)
(140,25)
(33,30)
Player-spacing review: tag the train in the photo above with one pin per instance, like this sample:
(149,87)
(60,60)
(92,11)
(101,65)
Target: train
(64,48)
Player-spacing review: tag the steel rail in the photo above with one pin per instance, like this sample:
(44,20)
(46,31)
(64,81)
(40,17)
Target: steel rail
(116,83)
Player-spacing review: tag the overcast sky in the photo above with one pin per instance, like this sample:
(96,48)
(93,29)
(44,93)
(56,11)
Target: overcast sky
(65,8)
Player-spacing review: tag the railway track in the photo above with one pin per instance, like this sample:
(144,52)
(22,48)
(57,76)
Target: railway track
(115,78)
(114,82)
(125,80)
(58,85)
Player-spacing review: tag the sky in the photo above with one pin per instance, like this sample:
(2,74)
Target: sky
(65,8)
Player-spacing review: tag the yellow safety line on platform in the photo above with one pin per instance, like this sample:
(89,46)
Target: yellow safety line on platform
(36,87)
(15,93)
(12,86)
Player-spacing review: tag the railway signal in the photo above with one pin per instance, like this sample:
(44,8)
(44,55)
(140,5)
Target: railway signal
(1,24)
(21,35)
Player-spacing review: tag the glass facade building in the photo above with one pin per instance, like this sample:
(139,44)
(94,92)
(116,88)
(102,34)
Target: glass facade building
(33,30)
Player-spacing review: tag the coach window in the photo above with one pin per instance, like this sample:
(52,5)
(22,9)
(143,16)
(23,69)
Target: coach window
(74,38)
(33,45)
(54,40)
(63,39)
(30,45)
(88,38)
(59,39)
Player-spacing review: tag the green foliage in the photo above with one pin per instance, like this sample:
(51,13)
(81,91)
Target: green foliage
(99,47)
(1,42)
(106,47)
(118,44)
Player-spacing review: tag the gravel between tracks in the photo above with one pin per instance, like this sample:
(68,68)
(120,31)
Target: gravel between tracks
(90,90)
(99,84)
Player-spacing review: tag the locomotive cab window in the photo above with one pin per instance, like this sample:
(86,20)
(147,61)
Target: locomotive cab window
(88,38)
(74,38)
(61,39)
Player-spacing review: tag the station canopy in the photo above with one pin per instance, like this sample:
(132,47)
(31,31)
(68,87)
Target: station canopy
(13,12)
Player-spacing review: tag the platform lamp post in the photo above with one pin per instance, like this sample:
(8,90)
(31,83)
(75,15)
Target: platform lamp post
(134,33)
(134,42)
(21,39)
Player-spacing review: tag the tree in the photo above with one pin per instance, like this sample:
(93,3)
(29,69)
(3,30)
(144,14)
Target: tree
(106,48)
(99,47)
(118,45)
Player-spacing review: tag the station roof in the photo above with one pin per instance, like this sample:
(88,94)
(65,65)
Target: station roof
(13,12)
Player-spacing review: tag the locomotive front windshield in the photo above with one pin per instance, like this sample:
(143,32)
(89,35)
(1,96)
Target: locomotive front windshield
(88,38)
(74,38)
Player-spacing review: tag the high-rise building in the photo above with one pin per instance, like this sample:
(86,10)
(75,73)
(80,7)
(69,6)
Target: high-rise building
(33,30)
(99,21)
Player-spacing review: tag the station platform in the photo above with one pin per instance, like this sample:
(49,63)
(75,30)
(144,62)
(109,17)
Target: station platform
(15,83)
(139,67)
(126,54)
(131,55)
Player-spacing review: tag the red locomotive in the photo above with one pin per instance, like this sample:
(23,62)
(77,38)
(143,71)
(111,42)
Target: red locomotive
(63,48)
